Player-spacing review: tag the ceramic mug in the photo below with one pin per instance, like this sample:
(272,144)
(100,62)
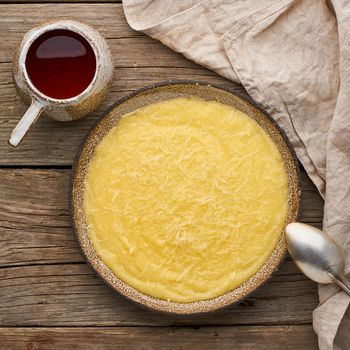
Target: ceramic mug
(61,109)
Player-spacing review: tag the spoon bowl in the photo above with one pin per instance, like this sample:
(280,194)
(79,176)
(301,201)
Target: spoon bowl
(316,254)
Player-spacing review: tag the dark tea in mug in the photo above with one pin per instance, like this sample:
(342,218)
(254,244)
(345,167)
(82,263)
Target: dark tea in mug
(61,63)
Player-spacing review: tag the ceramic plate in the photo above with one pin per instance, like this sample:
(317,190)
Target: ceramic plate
(149,95)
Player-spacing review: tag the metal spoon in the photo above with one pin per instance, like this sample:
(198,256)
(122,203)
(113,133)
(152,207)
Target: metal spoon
(317,255)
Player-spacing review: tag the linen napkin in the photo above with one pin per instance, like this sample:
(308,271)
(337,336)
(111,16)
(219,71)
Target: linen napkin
(293,57)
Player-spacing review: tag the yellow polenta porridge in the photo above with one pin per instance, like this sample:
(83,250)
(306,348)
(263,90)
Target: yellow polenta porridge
(185,199)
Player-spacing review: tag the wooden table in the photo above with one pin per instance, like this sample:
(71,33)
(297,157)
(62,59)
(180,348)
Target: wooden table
(49,297)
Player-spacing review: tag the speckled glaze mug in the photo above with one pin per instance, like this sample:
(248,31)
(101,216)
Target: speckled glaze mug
(61,109)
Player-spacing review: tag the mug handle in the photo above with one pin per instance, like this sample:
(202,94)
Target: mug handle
(29,118)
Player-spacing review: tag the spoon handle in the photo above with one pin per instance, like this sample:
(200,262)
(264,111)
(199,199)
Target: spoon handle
(341,281)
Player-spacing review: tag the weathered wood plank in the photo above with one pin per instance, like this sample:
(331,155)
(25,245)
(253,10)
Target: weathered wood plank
(299,337)
(107,18)
(55,143)
(71,295)
(43,278)
(139,61)
(38,232)
(55,291)
(34,218)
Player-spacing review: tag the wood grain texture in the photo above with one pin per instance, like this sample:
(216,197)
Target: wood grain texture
(35,223)
(44,280)
(148,338)
(138,60)
(71,295)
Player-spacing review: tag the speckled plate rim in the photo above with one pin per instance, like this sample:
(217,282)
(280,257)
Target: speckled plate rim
(162,91)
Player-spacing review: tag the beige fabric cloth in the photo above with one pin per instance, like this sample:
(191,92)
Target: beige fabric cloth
(293,57)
